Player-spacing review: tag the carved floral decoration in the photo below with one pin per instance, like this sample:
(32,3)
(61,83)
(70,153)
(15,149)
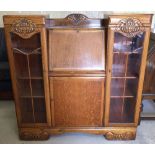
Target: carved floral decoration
(43,135)
(119,136)
(24,27)
(130,27)
(76,19)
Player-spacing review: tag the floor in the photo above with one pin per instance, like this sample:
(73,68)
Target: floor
(9,132)
(148,108)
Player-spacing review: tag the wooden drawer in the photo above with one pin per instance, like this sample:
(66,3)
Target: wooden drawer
(77,101)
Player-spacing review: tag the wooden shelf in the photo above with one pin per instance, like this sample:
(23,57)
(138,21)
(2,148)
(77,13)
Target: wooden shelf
(127,52)
(122,96)
(32,96)
(124,77)
(30,78)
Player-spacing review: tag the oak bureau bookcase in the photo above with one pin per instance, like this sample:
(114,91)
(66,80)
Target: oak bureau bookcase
(77,74)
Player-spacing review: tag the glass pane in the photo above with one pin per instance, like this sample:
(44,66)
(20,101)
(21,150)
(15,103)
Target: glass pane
(125,44)
(27,56)
(24,87)
(35,65)
(116,110)
(123,87)
(21,65)
(134,61)
(37,87)
(118,67)
(122,110)
(129,109)
(39,110)
(26,110)
(26,45)
(131,87)
(117,87)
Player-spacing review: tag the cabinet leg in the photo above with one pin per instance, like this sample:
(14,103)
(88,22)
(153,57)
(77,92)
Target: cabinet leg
(31,135)
(120,136)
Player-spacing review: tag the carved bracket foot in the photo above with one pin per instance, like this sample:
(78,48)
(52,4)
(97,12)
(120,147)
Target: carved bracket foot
(28,135)
(120,136)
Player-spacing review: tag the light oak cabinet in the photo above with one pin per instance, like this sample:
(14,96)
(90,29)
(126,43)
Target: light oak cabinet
(77,74)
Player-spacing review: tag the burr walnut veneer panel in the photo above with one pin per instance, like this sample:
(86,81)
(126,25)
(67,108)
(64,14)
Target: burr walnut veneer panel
(78,101)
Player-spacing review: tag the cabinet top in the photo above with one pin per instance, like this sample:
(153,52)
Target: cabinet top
(37,19)
(78,20)
(75,21)
(146,19)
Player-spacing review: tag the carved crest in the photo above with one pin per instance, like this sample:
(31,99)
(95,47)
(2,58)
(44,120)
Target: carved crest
(24,28)
(130,27)
(76,19)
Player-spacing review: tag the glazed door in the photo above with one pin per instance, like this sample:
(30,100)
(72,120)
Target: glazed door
(28,68)
(125,71)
